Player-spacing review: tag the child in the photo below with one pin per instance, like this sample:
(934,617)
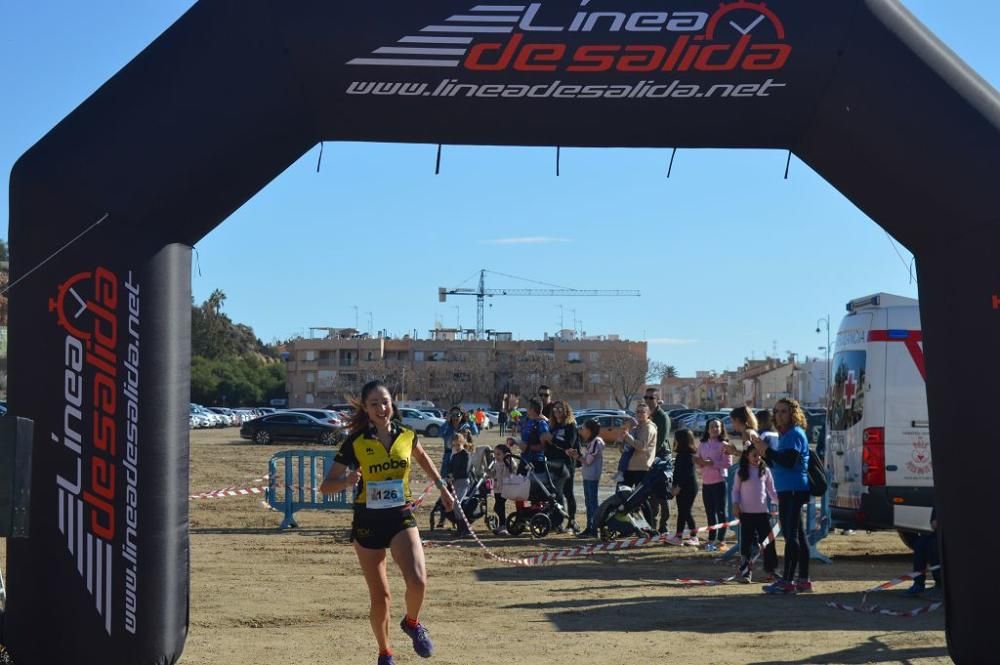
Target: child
(685,485)
(623,461)
(503,468)
(593,462)
(714,464)
(461,465)
(752,488)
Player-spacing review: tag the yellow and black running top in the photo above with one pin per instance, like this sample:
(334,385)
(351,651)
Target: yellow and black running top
(364,452)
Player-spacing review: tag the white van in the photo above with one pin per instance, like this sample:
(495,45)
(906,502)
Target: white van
(879,448)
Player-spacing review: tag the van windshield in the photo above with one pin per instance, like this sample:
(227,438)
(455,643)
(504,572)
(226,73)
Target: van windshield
(848,398)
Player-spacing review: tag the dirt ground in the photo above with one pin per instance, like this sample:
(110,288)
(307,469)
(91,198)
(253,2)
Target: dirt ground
(260,594)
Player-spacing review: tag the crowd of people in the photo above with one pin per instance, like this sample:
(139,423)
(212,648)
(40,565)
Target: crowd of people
(758,475)
(762,473)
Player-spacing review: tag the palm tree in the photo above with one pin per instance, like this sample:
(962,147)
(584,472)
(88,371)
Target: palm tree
(670,372)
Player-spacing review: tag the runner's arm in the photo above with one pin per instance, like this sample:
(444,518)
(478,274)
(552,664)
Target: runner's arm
(339,478)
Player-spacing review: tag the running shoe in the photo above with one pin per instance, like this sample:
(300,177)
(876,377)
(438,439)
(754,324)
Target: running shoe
(421,640)
(747,577)
(915,590)
(501,532)
(674,540)
(803,586)
(711,547)
(386,660)
(693,542)
(780,587)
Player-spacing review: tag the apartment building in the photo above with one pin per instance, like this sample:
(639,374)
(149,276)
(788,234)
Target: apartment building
(451,367)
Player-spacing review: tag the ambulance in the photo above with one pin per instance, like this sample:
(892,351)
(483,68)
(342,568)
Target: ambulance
(879,448)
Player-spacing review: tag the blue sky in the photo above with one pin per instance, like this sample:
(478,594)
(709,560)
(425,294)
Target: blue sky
(725,273)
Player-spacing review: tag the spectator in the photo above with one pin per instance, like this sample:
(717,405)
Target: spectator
(533,428)
(789,462)
(503,468)
(660,418)
(714,462)
(502,422)
(480,419)
(545,395)
(563,448)
(925,551)
(459,472)
(593,463)
(456,424)
(643,443)
(765,428)
(752,488)
(685,486)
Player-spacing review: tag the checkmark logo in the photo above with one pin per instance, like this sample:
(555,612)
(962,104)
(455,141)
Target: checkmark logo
(749,28)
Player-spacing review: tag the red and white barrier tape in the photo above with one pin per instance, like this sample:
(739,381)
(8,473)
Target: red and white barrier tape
(771,537)
(875,609)
(221,494)
(865,608)
(909,577)
(231,488)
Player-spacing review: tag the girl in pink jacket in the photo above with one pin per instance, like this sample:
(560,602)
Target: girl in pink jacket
(714,463)
(752,487)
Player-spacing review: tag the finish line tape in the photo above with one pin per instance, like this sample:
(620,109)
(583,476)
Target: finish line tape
(562,555)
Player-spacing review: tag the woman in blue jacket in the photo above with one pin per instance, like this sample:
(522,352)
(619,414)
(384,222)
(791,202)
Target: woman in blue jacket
(789,462)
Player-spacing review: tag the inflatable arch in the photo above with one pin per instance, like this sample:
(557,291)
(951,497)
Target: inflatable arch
(236,90)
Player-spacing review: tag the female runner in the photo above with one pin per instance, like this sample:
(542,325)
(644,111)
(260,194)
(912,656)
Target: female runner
(380,453)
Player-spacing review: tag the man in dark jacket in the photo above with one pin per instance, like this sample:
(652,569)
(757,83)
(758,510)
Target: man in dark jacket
(660,419)
(662,422)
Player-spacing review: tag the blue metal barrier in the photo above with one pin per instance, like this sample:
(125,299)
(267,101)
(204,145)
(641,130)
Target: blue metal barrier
(294,477)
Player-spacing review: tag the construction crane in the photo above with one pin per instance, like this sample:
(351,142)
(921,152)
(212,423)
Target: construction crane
(482,293)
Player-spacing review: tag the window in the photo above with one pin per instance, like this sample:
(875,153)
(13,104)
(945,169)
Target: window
(848,389)
(310,356)
(595,356)
(573,356)
(369,355)
(280,420)
(595,378)
(418,356)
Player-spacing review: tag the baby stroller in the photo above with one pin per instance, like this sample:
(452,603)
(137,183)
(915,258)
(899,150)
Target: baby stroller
(473,505)
(627,512)
(537,507)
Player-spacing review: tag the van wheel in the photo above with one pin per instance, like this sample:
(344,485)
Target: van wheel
(909,538)
(433,430)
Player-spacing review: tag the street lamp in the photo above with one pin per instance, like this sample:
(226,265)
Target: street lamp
(826,321)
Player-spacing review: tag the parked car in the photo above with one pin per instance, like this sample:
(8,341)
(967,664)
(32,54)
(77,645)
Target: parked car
(700,421)
(231,418)
(612,426)
(287,426)
(215,419)
(322,415)
(420,422)
(436,413)
(493,417)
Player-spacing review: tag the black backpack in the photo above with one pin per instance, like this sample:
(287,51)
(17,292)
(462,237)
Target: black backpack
(817,475)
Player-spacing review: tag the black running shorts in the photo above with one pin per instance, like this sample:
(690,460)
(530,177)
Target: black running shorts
(375,529)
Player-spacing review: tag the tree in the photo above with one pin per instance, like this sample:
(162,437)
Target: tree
(626,374)
(669,372)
